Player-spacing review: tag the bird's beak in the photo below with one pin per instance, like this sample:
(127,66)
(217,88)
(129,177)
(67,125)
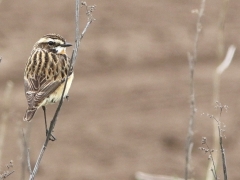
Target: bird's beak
(66,45)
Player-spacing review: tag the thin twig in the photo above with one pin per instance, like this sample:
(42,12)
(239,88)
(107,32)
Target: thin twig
(5,115)
(74,55)
(53,122)
(223,158)
(217,74)
(214,171)
(73,59)
(27,153)
(216,97)
(192,60)
(224,164)
(7,173)
(78,37)
(220,136)
(25,160)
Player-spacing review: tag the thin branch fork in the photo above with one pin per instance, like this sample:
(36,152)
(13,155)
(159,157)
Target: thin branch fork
(78,38)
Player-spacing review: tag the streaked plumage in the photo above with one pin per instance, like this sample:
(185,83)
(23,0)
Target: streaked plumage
(45,73)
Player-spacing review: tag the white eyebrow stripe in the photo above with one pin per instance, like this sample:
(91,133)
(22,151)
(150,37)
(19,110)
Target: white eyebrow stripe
(59,41)
(44,40)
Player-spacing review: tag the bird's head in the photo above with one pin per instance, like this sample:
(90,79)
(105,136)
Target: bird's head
(52,43)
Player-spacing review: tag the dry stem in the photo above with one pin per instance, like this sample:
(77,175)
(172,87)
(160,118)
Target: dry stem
(5,115)
(217,75)
(8,172)
(220,142)
(216,89)
(78,39)
(192,58)
(220,135)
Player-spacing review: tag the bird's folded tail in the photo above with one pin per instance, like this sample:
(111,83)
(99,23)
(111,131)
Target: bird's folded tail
(29,114)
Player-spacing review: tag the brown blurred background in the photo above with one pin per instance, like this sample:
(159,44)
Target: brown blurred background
(129,102)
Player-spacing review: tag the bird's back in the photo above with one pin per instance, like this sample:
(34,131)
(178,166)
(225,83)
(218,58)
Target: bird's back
(44,74)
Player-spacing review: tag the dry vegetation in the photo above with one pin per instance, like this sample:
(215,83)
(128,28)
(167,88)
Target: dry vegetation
(127,117)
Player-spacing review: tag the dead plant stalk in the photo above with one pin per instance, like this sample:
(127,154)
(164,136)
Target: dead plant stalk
(78,38)
(192,58)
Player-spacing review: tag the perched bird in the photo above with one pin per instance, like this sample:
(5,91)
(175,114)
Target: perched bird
(45,73)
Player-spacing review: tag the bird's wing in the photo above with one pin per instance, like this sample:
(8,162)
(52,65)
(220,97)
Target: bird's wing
(37,89)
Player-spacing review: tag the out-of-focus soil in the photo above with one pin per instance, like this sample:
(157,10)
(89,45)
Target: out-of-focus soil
(129,103)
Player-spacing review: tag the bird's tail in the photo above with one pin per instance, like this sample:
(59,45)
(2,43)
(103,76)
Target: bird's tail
(29,114)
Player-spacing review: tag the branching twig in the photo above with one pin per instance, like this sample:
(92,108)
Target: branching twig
(192,60)
(210,151)
(89,10)
(220,141)
(78,39)
(217,75)
(216,97)
(8,172)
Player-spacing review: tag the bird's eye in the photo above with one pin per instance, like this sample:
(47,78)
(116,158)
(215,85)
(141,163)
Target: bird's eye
(51,43)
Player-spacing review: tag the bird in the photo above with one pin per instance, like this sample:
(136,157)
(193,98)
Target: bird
(45,73)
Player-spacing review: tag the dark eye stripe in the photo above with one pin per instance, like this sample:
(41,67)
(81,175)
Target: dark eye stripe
(51,43)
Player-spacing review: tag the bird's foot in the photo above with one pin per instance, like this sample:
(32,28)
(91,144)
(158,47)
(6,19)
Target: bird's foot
(51,137)
(67,97)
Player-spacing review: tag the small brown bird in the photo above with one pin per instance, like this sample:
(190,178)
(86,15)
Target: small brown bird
(45,73)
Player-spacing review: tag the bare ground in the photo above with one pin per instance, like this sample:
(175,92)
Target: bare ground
(129,103)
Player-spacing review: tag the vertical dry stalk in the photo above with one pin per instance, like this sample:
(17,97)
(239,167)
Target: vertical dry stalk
(223,155)
(192,58)
(5,115)
(219,70)
(220,135)
(216,80)
(24,149)
(78,39)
